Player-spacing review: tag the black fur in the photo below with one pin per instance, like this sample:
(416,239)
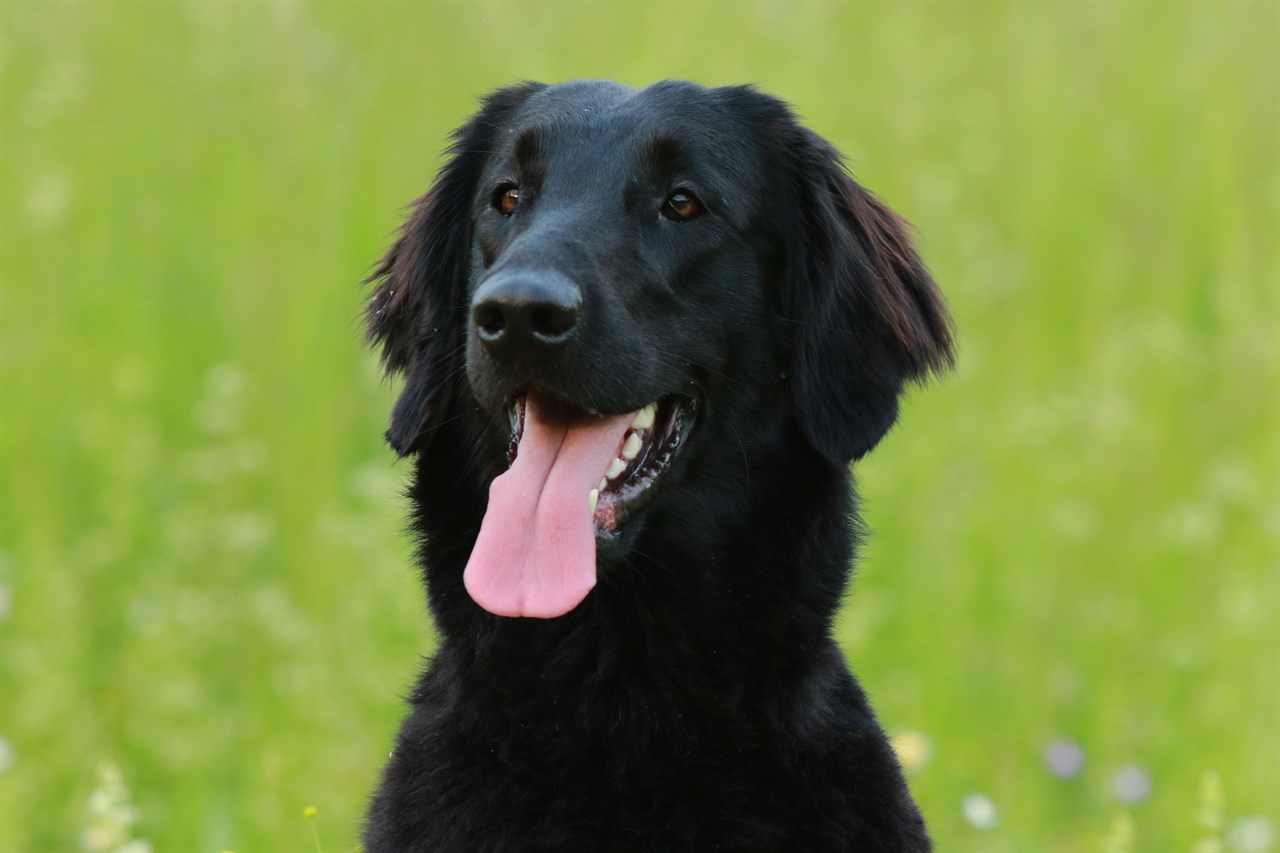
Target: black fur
(695,699)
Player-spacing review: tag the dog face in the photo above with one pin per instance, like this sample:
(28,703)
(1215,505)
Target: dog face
(611,255)
(641,284)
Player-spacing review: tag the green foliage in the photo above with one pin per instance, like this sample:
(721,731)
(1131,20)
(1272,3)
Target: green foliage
(202,575)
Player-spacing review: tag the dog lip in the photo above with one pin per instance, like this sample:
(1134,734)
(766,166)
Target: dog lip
(643,466)
(649,446)
(516,407)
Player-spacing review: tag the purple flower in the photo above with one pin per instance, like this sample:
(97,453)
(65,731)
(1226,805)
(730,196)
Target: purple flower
(1065,758)
(1131,784)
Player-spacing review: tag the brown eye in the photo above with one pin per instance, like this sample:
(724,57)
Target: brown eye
(681,206)
(506,199)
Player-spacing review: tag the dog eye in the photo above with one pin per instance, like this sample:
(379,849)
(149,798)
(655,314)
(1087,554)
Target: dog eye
(506,199)
(681,206)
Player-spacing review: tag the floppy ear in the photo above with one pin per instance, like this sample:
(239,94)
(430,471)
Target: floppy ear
(417,310)
(867,316)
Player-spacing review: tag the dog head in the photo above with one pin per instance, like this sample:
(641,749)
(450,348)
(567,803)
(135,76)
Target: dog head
(639,283)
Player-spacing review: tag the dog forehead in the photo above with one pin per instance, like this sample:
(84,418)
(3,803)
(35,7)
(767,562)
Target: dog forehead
(602,113)
(574,100)
(598,133)
(589,101)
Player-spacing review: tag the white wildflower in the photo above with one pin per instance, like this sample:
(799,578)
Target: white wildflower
(980,812)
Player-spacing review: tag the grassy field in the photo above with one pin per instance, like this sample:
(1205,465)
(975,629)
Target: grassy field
(1069,609)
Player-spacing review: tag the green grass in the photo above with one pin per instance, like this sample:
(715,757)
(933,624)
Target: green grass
(1077,535)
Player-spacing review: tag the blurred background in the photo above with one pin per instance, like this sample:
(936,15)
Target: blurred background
(208,615)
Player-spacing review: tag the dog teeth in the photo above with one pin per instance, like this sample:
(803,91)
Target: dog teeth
(593,497)
(643,420)
(644,417)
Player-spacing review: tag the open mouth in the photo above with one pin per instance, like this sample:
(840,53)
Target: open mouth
(645,450)
(575,479)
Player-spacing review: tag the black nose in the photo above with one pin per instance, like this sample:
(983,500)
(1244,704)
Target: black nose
(525,315)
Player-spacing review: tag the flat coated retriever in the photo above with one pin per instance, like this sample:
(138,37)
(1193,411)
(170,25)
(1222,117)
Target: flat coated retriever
(643,335)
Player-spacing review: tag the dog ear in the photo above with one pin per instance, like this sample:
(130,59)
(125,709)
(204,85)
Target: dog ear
(867,315)
(417,311)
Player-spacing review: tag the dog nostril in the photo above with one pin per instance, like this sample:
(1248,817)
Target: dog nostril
(525,316)
(489,319)
(551,322)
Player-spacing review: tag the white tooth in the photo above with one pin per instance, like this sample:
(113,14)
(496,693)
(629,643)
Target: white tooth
(592,497)
(632,446)
(604,483)
(644,417)
(616,467)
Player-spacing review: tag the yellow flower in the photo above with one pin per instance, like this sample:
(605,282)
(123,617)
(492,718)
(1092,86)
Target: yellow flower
(913,749)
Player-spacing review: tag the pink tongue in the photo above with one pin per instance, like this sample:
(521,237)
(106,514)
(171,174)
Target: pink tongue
(536,552)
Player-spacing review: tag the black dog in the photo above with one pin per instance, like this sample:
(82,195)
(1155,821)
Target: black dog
(643,335)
